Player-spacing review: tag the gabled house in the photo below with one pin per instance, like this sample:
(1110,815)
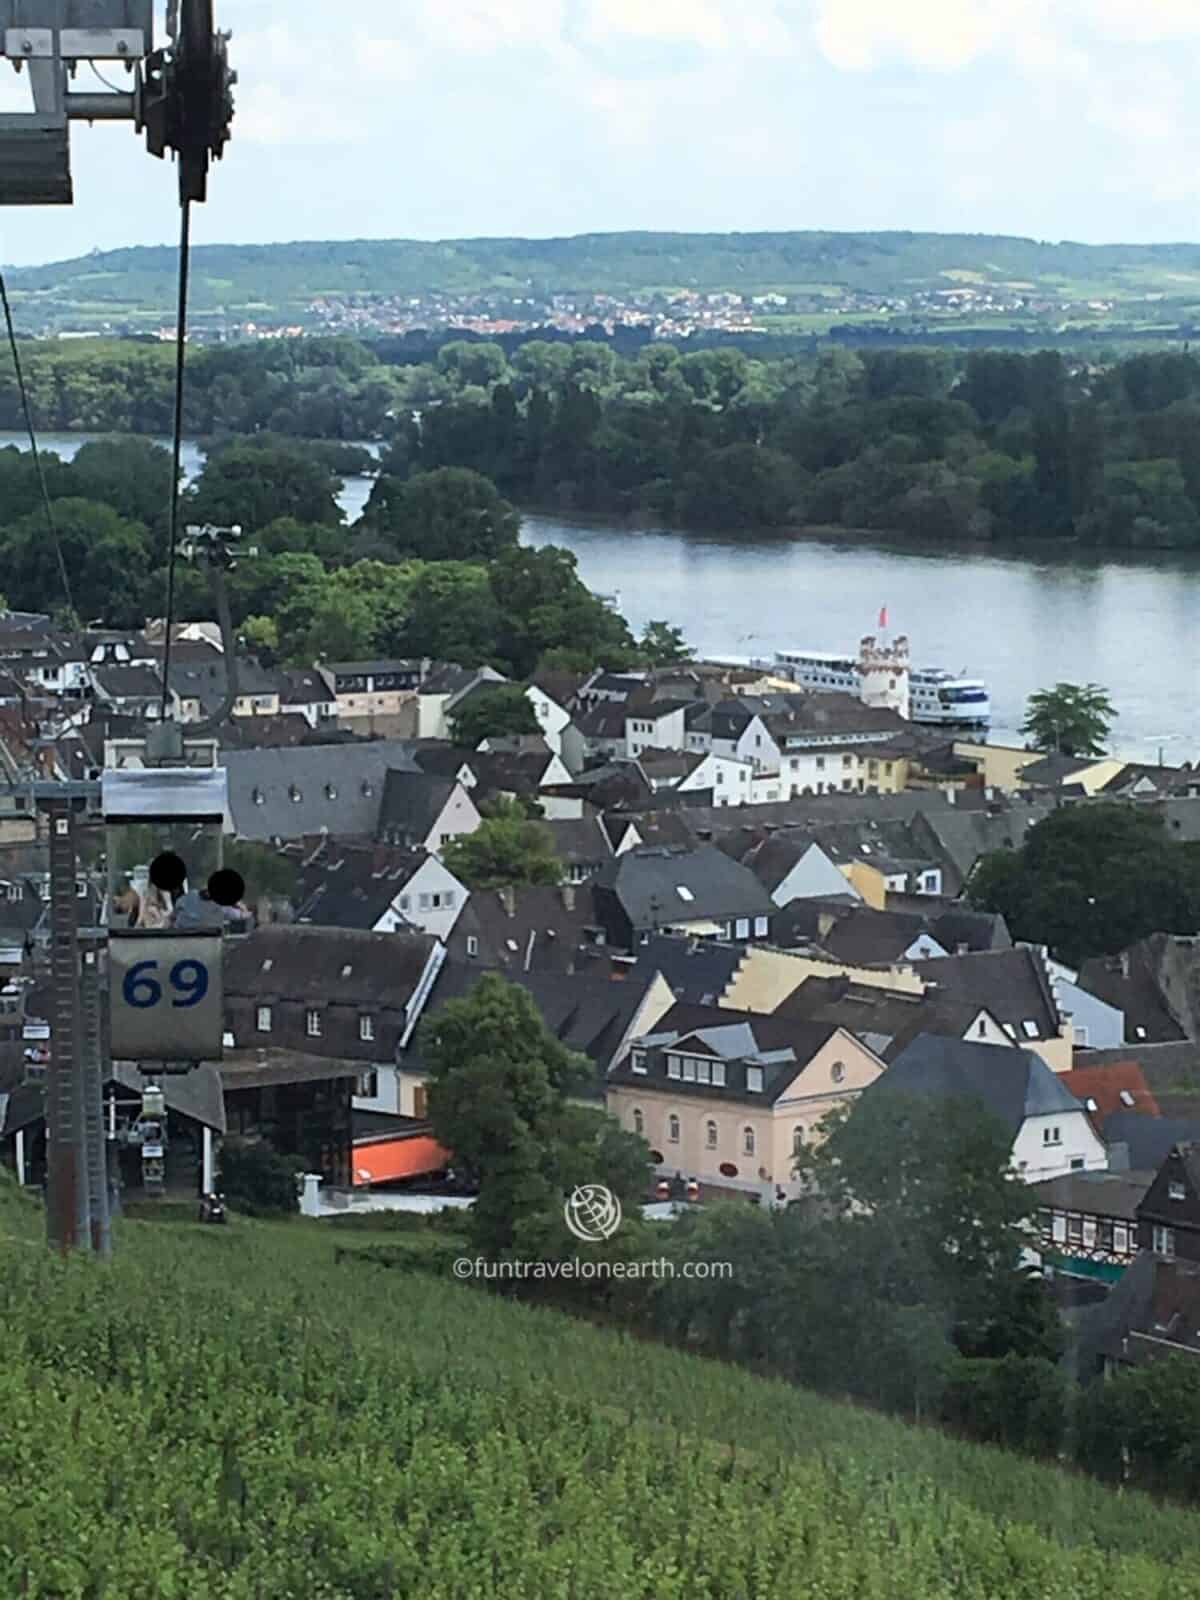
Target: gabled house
(652,890)
(419,812)
(1138,984)
(730,1098)
(1014,986)
(367,691)
(1106,1090)
(581,844)
(1153,1314)
(342,1004)
(732,728)
(526,928)
(312,789)
(791,865)
(652,724)
(1169,1215)
(553,697)
(304,692)
(378,890)
(1087,1222)
(888,1020)
(445,688)
(1050,1130)
(134,691)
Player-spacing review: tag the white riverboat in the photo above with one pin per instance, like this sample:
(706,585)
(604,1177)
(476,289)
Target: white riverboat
(934,695)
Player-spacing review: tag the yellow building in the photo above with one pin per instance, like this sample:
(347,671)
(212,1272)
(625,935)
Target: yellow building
(729,1098)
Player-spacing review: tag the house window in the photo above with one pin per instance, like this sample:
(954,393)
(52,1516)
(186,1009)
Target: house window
(420,1102)
(718,1074)
(741,928)
(748,1140)
(1081,1036)
(672,1129)
(674,1070)
(405,902)
(820,763)
(448,899)
(703,1070)
(1164,1242)
(1074,1230)
(754,1080)
(1104,1234)
(638,1061)
(1076,1163)
(367,1087)
(982,1027)
(1176,1191)
(797,1139)
(472,945)
(263,1019)
(257,796)
(1052,1135)
(331,791)
(1120,1238)
(760,927)
(689,1069)
(366,1029)
(838,1071)
(639,1120)
(710,1135)
(312,1024)
(294,795)
(423,902)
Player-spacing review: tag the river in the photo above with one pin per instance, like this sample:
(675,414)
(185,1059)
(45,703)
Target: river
(1022,620)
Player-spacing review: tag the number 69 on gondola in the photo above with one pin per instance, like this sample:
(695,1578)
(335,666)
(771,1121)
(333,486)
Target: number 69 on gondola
(165,996)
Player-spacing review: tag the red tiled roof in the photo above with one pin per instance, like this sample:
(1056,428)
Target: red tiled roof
(1103,1085)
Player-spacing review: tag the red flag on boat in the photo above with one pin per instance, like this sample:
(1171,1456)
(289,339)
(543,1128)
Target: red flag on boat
(883,616)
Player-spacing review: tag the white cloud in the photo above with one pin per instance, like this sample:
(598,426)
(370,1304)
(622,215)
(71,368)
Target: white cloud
(938,34)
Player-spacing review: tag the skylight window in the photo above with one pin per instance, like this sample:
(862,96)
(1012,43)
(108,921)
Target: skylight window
(1091,1104)
(1126,1098)
(1141,1032)
(268,964)
(512,945)
(347,970)
(684,893)
(1029,1028)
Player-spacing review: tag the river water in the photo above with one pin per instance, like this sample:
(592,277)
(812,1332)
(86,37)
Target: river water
(1020,619)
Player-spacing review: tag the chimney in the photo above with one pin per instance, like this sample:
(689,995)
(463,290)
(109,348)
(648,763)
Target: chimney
(508,899)
(568,896)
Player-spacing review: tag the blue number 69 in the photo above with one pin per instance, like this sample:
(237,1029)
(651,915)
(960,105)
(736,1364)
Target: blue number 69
(190,979)
(138,989)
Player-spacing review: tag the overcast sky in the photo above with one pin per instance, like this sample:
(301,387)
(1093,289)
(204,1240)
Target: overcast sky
(1073,119)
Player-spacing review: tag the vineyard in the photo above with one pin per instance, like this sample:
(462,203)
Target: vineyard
(233,1413)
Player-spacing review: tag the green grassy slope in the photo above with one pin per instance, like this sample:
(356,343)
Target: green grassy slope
(232,1413)
(282,275)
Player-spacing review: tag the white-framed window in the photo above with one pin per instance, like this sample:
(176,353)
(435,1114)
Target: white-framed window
(472,945)
(741,928)
(797,1139)
(689,1069)
(638,1061)
(1120,1237)
(312,1024)
(1081,1036)
(1163,1242)
(837,1071)
(672,1129)
(760,927)
(405,902)
(703,1070)
(754,1080)
(448,899)
(423,901)
(674,1070)
(1052,1135)
(718,1074)
(639,1120)
(748,1140)
(367,1087)
(262,1019)
(366,1029)
(710,1135)
(1176,1191)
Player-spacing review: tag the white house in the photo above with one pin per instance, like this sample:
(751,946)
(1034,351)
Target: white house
(378,890)
(735,730)
(1050,1129)
(1095,1024)
(656,725)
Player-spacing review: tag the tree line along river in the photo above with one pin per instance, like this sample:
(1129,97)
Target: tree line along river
(1021,619)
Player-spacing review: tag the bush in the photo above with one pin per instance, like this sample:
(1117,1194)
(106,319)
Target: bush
(257,1180)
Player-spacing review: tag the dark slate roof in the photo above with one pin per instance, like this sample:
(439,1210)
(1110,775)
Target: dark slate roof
(604,720)
(1102,1194)
(517,772)
(196,1094)
(884,1019)
(343,886)
(788,716)
(124,683)
(540,925)
(978,930)
(1055,769)
(260,1068)
(302,686)
(579,840)
(1153,1296)
(864,937)
(1011,984)
(647,880)
(412,803)
(1130,982)
(697,971)
(306,963)
(781,1046)
(374,668)
(340,788)
(1012,1084)
(1149,1139)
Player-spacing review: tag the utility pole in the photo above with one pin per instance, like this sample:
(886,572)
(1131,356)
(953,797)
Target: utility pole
(68,1217)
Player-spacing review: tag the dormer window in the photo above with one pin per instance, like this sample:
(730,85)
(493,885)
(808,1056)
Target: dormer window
(294,794)
(1176,1191)
(1126,1098)
(638,1061)
(257,796)
(331,791)
(754,1080)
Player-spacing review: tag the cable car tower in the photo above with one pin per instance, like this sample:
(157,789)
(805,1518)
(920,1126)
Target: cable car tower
(164,960)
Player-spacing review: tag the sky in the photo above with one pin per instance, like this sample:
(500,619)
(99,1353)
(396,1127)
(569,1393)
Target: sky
(1057,119)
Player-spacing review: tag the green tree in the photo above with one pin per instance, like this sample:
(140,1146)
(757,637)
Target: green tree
(544,605)
(662,645)
(451,514)
(260,636)
(506,848)
(452,615)
(493,713)
(107,560)
(1072,719)
(1092,880)
(251,486)
(499,1083)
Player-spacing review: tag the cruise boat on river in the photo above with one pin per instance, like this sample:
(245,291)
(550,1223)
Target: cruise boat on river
(881,675)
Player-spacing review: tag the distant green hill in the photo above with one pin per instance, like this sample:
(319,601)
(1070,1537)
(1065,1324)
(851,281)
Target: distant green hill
(289,276)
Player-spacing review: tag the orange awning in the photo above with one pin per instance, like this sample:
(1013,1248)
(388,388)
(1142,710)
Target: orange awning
(380,1160)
